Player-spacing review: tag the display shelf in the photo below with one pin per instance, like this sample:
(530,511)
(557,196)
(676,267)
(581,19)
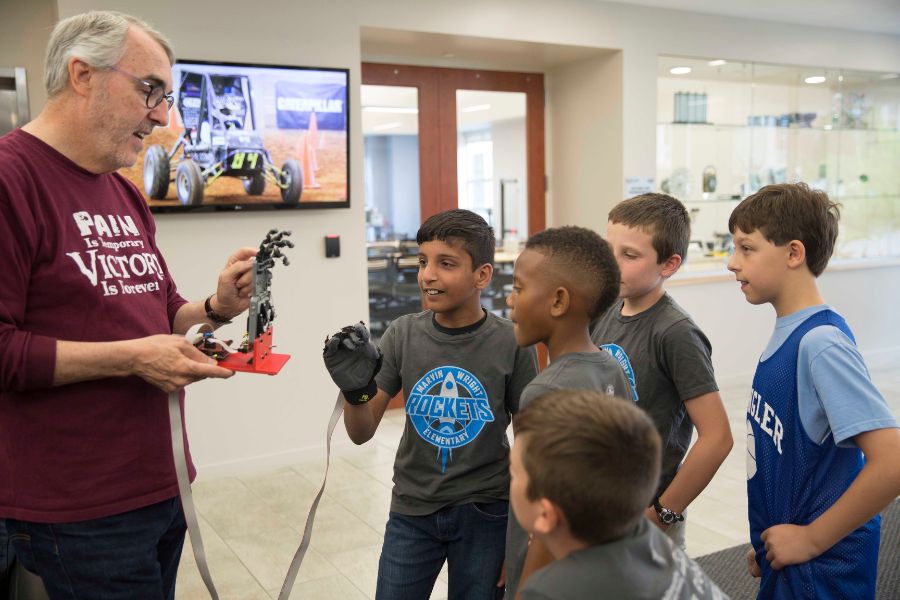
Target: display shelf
(850,148)
(861,130)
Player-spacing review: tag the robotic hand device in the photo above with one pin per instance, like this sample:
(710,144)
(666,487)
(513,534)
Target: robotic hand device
(255,355)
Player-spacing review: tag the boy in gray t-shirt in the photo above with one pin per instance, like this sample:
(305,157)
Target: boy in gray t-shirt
(665,355)
(462,374)
(608,450)
(564,278)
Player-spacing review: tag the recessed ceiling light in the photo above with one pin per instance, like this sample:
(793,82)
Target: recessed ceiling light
(475,108)
(716,63)
(386,126)
(393,110)
(680,70)
(815,79)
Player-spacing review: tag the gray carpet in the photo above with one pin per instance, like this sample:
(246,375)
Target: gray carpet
(728,568)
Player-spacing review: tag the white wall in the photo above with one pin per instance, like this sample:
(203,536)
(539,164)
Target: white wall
(37,18)
(586,117)
(259,421)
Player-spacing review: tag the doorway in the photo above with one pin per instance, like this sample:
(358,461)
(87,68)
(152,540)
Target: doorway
(441,138)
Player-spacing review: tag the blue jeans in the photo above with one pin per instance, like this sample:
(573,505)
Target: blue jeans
(472,539)
(125,556)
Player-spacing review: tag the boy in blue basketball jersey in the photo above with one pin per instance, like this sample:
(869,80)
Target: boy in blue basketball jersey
(822,443)
(461,373)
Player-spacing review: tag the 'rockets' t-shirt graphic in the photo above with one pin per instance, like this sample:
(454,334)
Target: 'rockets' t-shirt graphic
(448,408)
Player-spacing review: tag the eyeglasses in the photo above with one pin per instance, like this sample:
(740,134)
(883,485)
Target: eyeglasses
(155,92)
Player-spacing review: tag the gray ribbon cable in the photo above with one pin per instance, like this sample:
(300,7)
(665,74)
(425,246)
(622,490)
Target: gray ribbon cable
(190,514)
(311,517)
(184,490)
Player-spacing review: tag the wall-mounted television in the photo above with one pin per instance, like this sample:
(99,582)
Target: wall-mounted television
(249,136)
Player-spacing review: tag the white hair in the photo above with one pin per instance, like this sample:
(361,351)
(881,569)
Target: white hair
(97,38)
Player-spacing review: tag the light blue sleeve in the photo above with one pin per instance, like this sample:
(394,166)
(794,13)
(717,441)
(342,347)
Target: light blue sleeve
(836,395)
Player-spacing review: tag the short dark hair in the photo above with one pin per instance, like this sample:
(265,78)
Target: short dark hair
(461,226)
(596,456)
(583,258)
(792,211)
(662,216)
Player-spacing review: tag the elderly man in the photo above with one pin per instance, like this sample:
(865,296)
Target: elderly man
(87,308)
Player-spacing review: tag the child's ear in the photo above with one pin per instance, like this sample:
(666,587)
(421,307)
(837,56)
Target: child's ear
(549,517)
(796,254)
(483,275)
(671,265)
(561,302)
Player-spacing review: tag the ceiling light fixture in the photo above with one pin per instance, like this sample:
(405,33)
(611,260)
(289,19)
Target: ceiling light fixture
(815,79)
(680,70)
(392,110)
(717,63)
(386,126)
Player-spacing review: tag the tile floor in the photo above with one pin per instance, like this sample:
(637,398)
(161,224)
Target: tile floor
(252,524)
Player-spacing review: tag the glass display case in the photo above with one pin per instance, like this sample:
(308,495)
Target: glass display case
(725,129)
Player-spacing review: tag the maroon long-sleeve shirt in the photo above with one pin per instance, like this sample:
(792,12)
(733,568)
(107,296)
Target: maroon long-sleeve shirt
(78,262)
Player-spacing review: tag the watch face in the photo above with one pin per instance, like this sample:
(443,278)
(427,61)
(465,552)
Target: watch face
(667,517)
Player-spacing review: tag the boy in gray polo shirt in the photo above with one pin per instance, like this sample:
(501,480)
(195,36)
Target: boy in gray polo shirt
(584,465)
(462,374)
(565,277)
(665,355)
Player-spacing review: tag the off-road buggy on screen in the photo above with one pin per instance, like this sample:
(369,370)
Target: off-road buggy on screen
(219,140)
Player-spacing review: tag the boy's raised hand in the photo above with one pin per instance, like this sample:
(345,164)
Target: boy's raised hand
(353,361)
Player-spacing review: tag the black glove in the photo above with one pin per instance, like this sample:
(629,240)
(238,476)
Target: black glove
(353,361)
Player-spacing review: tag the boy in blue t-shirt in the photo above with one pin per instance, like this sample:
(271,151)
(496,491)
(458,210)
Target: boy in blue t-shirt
(822,444)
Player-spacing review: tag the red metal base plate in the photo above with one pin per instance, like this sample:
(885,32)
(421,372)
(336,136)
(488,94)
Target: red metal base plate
(260,359)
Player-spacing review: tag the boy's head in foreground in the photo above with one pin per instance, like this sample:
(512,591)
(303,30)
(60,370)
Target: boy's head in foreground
(584,467)
(563,273)
(650,235)
(456,260)
(784,236)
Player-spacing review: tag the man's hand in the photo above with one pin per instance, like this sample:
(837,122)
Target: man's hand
(754,569)
(650,513)
(501,582)
(788,545)
(170,362)
(232,295)
(353,361)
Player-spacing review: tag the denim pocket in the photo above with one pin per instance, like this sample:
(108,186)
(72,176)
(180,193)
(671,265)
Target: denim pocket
(492,511)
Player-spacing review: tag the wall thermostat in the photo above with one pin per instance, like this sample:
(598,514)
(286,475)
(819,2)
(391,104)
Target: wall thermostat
(332,245)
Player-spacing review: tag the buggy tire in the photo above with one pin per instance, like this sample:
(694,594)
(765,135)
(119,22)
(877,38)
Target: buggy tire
(255,184)
(156,172)
(292,174)
(189,183)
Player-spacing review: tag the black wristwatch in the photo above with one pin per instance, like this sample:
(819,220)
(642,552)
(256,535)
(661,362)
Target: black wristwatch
(213,315)
(666,516)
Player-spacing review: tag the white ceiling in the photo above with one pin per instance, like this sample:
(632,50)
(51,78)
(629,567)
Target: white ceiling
(467,52)
(881,16)
(764,73)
